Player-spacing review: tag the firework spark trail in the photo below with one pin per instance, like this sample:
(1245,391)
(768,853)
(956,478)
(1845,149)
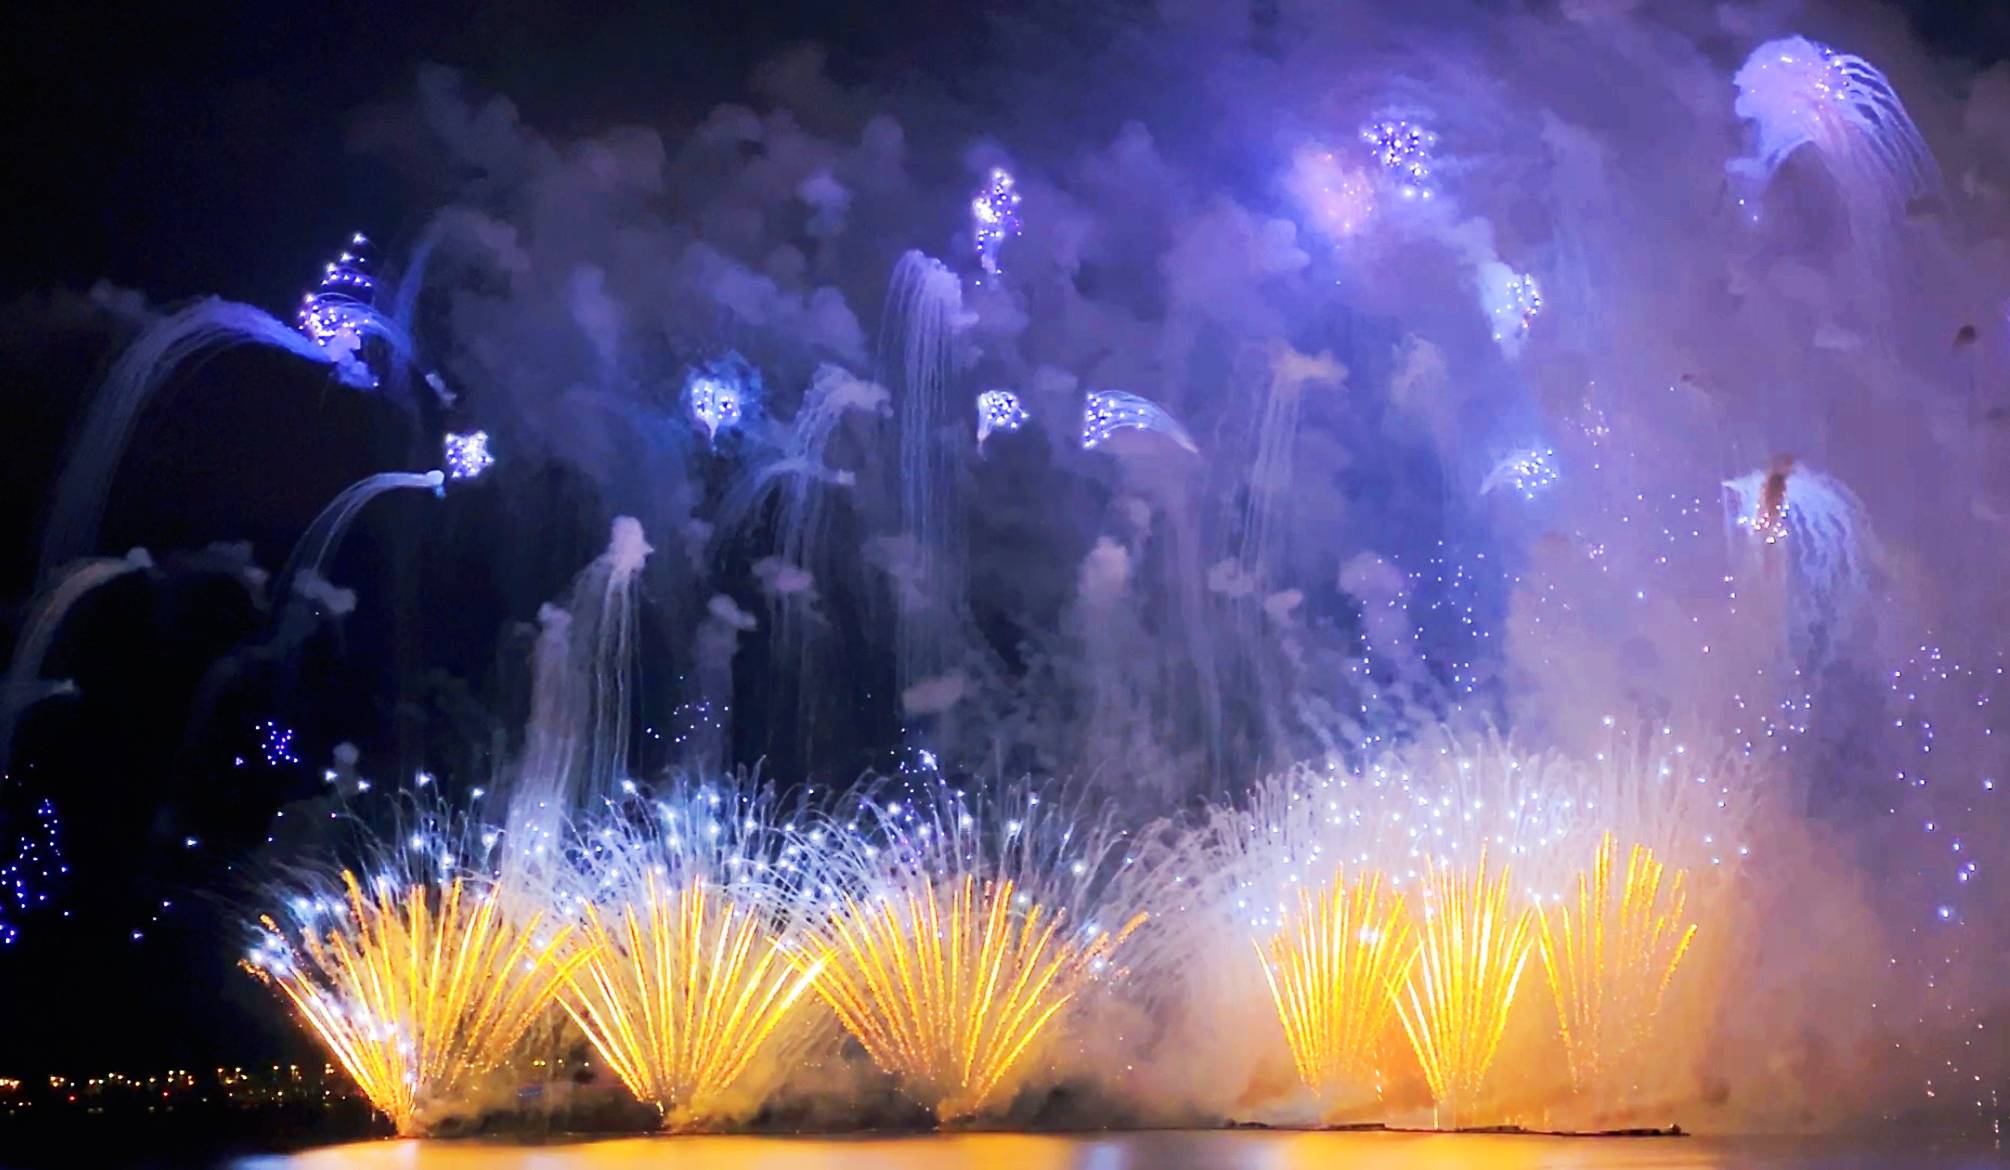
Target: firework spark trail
(924,311)
(1330,972)
(956,932)
(136,378)
(680,896)
(1472,945)
(1105,412)
(1610,955)
(317,546)
(951,986)
(22,685)
(1814,543)
(416,992)
(680,989)
(1801,93)
(1475,794)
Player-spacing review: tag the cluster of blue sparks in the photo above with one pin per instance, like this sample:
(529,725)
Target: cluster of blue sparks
(333,316)
(998,411)
(994,215)
(715,402)
(1403,151)
(1105,412)
(26,880)
(275,744)
(1526,473)
(467,455)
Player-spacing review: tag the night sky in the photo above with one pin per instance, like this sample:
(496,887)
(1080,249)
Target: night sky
(193,151)
(189,149)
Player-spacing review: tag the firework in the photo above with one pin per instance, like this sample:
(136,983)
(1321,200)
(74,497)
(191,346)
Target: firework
(1801,93)
(1813,539)
(715,403)
(1105,412)
(998,411)
(1403,151)
(316,546)
(680,992)
(1472,945)
(953,942)
(339,317)
(1330,971)
(335,316)
(1609,954)
(275,744)
(21,686)
(950,986)
(923,314)
(1462,797)
(994,217)
(687,987)
(1524,301)
(416,989)
(26,881)
(467,456)
(1527,473)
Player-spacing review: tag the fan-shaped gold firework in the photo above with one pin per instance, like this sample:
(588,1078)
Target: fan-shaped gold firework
(1471,949)
(1609,955)
(416,993)
(953,988)
(680,993)
(1331,970)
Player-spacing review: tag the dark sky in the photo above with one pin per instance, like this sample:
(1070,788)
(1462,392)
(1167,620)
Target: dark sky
(186,149)
(201,149)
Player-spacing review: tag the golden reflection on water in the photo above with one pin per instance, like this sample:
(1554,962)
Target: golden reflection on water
(1166,1150)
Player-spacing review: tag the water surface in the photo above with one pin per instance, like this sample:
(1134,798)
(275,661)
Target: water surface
(1165,1150)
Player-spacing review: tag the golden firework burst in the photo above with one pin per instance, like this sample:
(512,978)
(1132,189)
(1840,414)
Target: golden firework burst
(681,990)
(1330,970)
(1472,945)
(1610,954)
(417,992)
(953,988)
